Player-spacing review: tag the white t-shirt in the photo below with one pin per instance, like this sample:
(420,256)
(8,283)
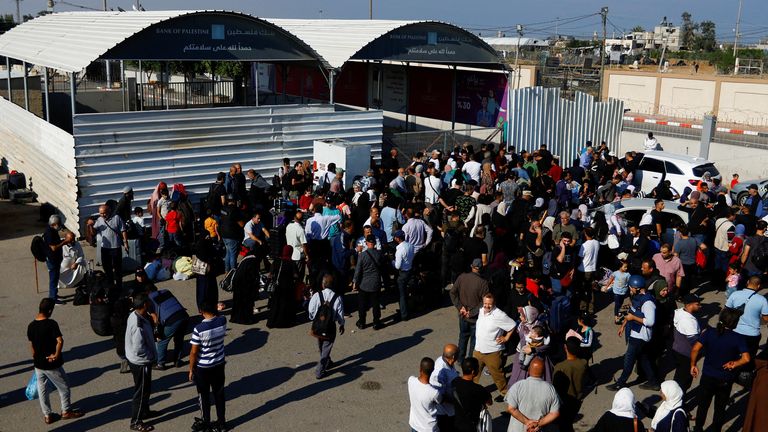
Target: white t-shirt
(432,189)
(490,326)
(473,168)
(685,323)
(424,400)
(588,253)
(295,237)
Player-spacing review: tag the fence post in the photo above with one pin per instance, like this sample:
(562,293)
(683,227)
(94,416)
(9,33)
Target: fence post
(709,126)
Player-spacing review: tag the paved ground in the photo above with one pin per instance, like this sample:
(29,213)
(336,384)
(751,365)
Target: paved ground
(270,381)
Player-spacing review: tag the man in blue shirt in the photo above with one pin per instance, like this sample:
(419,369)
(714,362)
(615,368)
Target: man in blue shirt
(403,262)
(755,312)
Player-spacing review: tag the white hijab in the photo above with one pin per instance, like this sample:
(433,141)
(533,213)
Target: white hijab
(673,395)
(624,404)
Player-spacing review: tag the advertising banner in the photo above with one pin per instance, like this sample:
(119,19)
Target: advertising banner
(478,96)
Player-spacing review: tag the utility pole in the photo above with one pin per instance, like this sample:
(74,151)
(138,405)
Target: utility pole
(517,56)
(604,16)
(18,11)
(370,9)
(738,24)
(104,5)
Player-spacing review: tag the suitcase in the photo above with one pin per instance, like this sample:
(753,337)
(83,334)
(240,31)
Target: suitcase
(132,259)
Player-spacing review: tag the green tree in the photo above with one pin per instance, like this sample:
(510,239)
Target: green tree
(6,23)
(638,29)
(706,40)
(687,31)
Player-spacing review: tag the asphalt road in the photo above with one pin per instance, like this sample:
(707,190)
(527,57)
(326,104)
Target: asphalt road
(270,378)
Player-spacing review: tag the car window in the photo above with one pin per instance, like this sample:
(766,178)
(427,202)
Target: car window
(672,168)
(699,171)
(632,216)
(651,164)
(671,220)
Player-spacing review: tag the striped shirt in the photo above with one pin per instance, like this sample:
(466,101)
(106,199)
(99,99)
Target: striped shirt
(209,336)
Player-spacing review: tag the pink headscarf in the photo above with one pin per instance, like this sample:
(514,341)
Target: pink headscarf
(152,206)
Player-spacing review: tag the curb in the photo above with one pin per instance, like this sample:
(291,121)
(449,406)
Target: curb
(692,126)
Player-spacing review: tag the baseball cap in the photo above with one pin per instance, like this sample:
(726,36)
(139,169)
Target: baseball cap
(690,298)
(127,189)
(539,202)
(477,263)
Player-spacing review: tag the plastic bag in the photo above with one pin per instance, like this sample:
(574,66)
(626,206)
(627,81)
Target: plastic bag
(183,265)
(31,391)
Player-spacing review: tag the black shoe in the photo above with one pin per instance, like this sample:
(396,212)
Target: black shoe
(614,387)
(200,425)
(219,426)
(499,398)
(124,368)
(360,325)
(378,326)
(650,386)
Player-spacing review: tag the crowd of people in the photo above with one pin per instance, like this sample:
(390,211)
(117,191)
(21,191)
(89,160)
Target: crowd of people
(528,250)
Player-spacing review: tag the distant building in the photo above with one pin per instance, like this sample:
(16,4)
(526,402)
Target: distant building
(506,46)
(638,42)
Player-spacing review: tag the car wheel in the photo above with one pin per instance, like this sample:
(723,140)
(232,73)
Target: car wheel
(741,198)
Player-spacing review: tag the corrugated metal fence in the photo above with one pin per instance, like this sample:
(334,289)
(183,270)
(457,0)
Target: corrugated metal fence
(541,116)
(190,146)
(45,154)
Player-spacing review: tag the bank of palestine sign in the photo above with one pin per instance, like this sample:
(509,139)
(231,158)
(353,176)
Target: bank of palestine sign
(429,43)
(211,36)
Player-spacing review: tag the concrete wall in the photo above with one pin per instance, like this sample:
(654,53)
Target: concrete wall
(748,162)
(637,92)
(686,98)
(733,99)
(743,103)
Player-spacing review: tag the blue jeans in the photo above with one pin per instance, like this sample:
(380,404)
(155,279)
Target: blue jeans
(175,238)
(230,260)
(54,271)
(466,336)
(618,300)
(636,352)
(557,286)
(403,280)
(721,260)
(173,331)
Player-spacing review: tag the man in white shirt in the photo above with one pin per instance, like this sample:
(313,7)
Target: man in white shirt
(585,272)
(73,263)
(296,238)
(435,159)
(445,372)
(472,168)
(651,143)
(432,185)
(403,263)
(685,334)
(492,331)
(417,232)
(326,345)
(424,399)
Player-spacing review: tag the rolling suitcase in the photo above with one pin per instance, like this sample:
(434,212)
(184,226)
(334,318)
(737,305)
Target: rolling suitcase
(132,258)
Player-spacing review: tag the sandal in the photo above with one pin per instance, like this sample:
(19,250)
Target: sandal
(141,427)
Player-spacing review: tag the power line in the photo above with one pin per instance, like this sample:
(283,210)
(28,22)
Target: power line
(77,5)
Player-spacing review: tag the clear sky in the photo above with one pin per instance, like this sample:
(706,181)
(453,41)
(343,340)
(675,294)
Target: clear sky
(485,16)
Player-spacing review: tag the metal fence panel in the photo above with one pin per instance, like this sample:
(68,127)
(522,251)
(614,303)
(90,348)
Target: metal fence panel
(190,146)
(541,116)
(45,154)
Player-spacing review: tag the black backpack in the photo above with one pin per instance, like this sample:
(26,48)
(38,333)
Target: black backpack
(38,248)
(324,324)
(760,257)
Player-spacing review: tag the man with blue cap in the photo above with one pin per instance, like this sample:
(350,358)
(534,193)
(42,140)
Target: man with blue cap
(639,326)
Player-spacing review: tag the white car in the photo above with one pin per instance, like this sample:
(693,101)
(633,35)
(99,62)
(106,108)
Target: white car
(681,170)
(632,211)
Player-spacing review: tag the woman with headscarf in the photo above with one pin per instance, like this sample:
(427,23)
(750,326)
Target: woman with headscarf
(152,207)
(179,195)
(529,318)
(721,208)
(282,303)
(621,417)
(245,289)
(756,416)
(736,245)
(206,288)
(670,416)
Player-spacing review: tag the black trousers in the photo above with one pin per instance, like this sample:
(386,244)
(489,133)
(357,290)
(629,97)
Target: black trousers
(112,261)
(719,390)
(366,299)
(211,380)
(683,371)
(142,388)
